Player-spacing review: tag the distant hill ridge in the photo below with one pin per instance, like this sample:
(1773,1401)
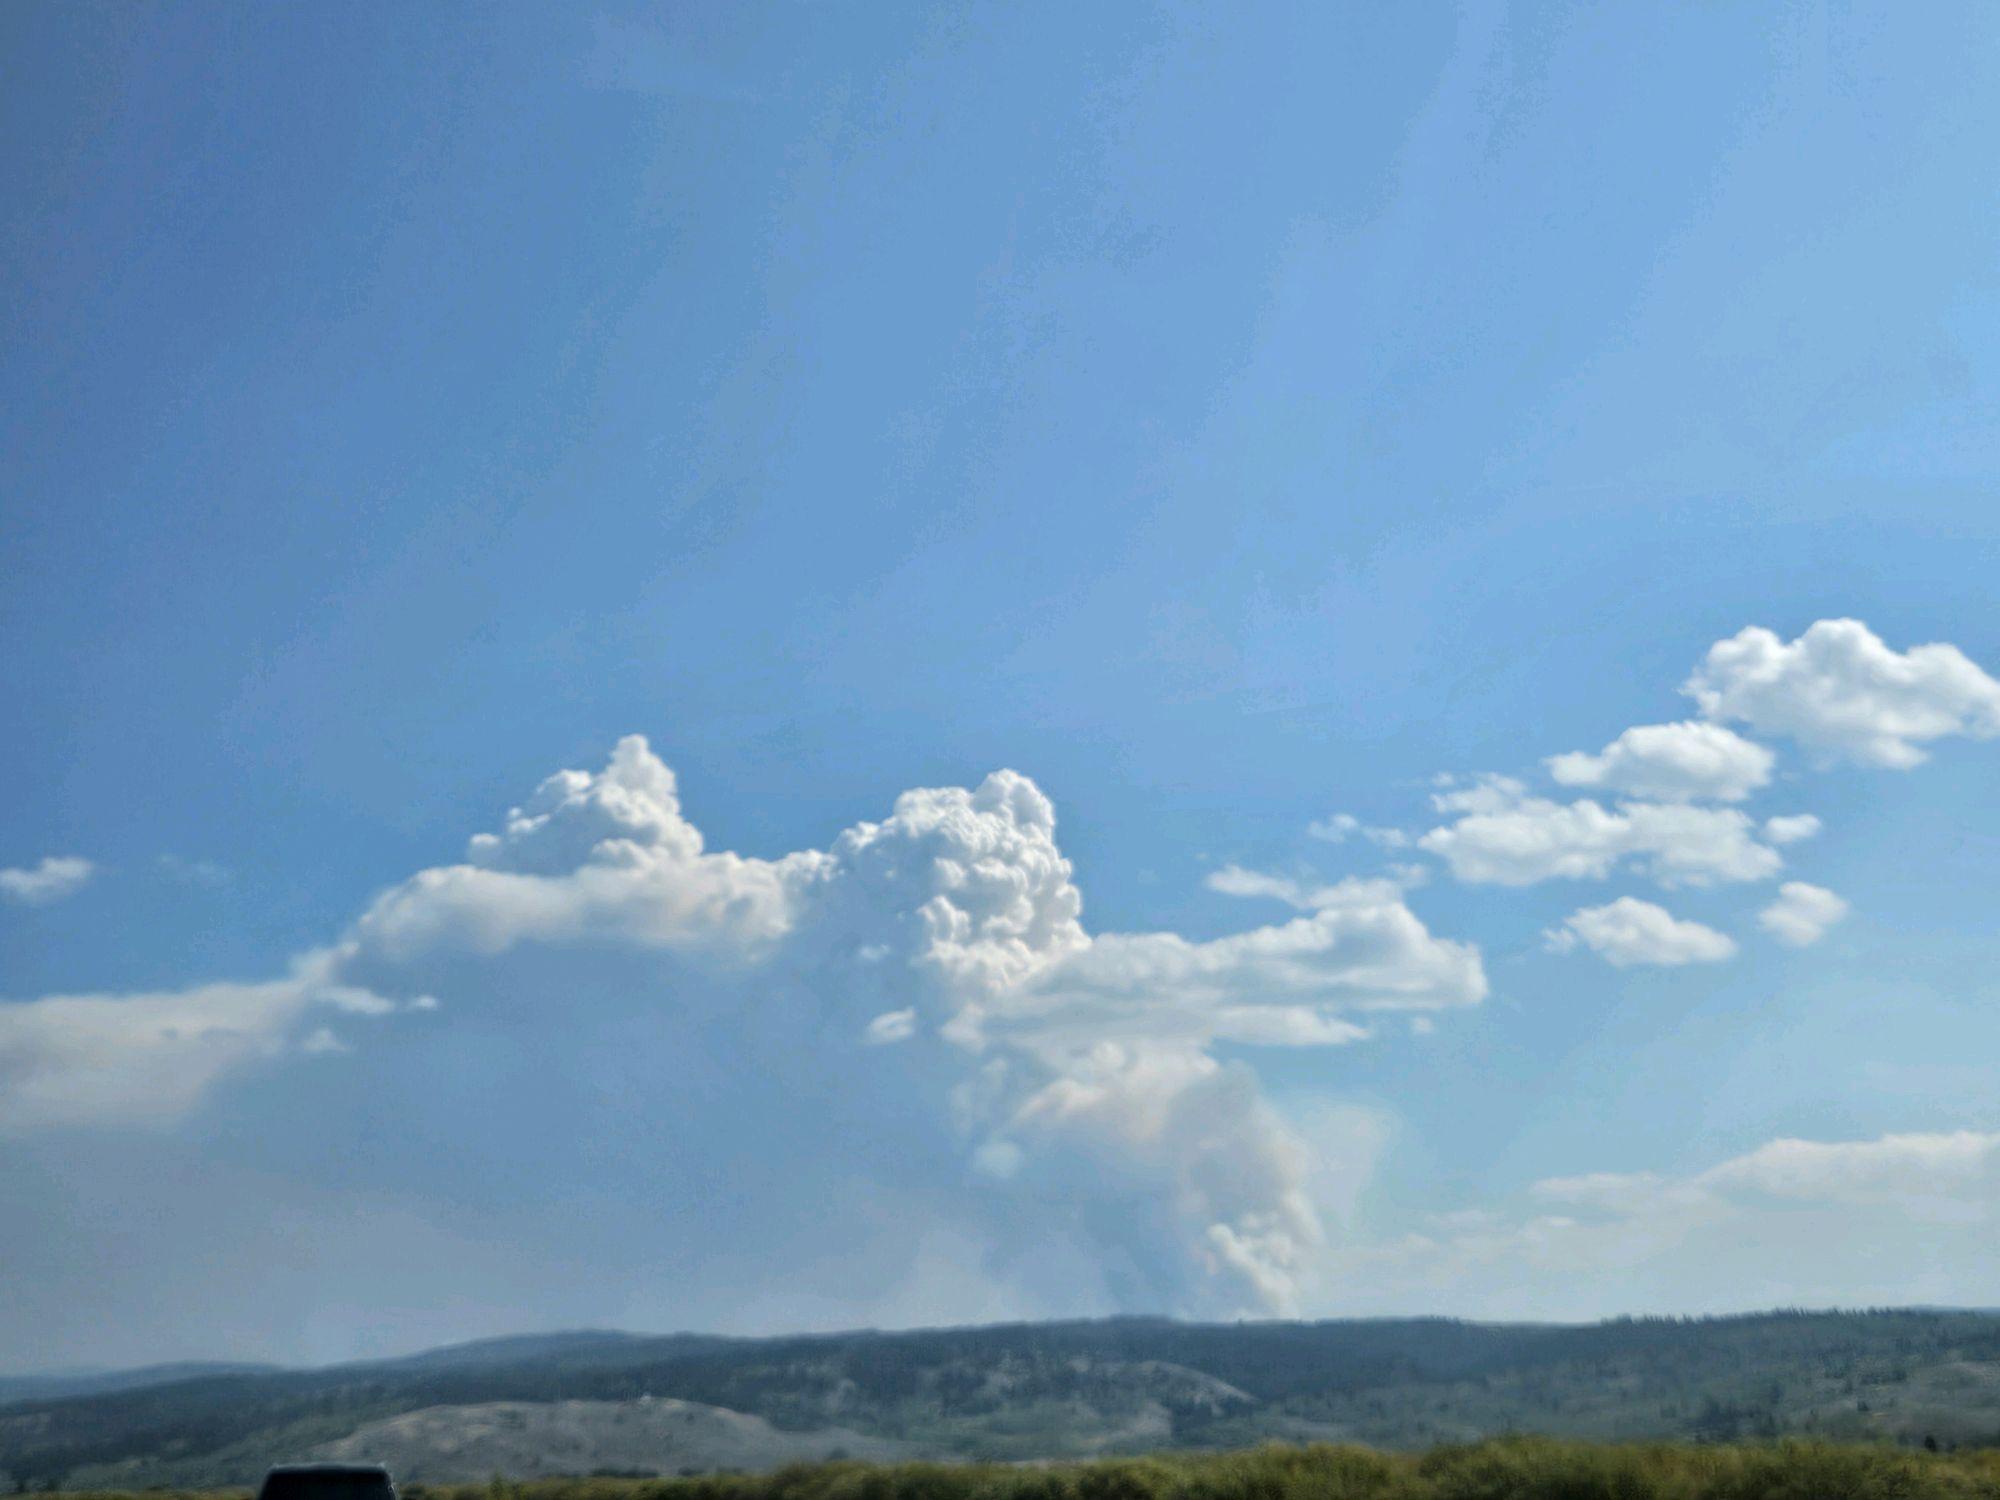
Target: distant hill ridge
(1017,1391)
(57,1384)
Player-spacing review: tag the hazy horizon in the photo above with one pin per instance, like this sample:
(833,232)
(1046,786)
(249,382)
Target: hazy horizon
(392,1356)
(790,668)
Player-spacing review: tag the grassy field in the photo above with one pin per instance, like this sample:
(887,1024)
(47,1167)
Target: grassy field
(1527,1468)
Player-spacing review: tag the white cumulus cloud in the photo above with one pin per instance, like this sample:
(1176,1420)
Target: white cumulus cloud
(592,858)
(1688,761)
(1337,828)
(1802,914)
(56,878)
(1505,837)
(1845,695)
(1791,828)
(1629,931)
(930,972)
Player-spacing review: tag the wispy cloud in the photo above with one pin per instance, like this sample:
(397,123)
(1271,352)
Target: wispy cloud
(56,878)
(200,872)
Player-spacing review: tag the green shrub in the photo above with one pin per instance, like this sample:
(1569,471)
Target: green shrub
(1520,1468)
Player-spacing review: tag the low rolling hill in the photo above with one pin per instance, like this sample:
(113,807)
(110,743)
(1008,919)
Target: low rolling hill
(599,1402)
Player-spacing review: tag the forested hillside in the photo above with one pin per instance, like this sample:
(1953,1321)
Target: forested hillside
(1032,1391)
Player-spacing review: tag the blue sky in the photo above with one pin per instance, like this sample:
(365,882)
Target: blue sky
(1224,422)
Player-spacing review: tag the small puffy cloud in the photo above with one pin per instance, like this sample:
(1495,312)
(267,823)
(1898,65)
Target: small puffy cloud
(56,878)
(1508,838)
(1485,793)
(893,1026)
(1845,695)
(1792,828)
(1234,880)
(1802,914)
(1689,761)
(1629,931)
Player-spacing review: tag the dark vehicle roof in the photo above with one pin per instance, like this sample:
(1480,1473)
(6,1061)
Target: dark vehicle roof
(327,1482)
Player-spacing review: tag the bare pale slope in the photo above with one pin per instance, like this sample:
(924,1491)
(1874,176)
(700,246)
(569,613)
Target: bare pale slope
(1127,1407)
(530,1439)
